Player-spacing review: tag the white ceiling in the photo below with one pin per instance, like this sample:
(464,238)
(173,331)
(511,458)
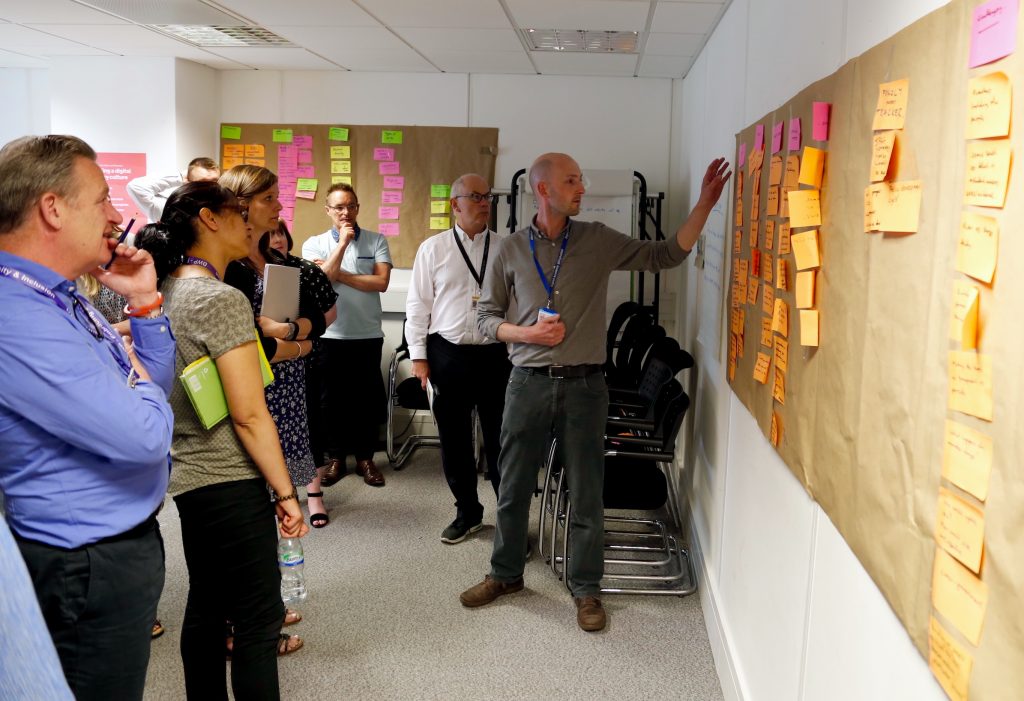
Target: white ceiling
(453,36)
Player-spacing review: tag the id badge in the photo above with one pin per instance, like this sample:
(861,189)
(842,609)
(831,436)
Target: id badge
(476,298)
(545,313)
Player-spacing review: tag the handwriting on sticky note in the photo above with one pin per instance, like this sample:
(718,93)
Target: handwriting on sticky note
(261,162)
(963,323)
(341,166)
(785,240)
(389,228)
(304,141)
(753,286)
(338,133)
(391,196)
(780,317)
(229,162)
(804,289)
(782,353)
(821,112)
(755,199)
(737,321)
(769,234)
(775,432)
(335,179)
(305,172)
(970,383)
(230,132)
(759,137)
(775,170)
(809,327)
(805,250)
(439,222)
(988,106)
(341,152)
(988,171)
(872,208)
(949,661)
(439,207)
(960,529)
(305,155)
(901,208)
(794,134)
(959,596)
(978,246)
(768,301)
(396,182)
(891,110)
(307,184)
(772,203)
(255,151)
(756,160)
(388,168)
(383,154)
(387,212)
(306,194)
(761,367)
(993,31)
(881,154)
(792,179)
(766,332)
(967,459)
(768,267)
(777,130)
(391,136)
(779,387)
(234,150)
(440,191)
(781,274)
(804,208)
(811,167)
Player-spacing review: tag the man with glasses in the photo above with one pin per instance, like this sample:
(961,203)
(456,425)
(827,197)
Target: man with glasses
(546,295)
(467,370)
(85,427)
(358,263)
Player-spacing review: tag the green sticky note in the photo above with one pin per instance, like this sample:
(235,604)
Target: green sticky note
(341,152)
(229,132)
(283,136)
(307,184)
(390,136)
(440,191)
(337,134)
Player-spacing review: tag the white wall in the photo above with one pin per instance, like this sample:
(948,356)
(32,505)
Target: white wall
(791,613)
(196,112)
(26,108)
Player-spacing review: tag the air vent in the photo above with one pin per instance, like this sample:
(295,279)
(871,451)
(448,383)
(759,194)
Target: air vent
(209,36)
(581,41)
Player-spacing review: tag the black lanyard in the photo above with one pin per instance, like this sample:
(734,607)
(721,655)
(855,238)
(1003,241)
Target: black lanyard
(465,256)
(549,287)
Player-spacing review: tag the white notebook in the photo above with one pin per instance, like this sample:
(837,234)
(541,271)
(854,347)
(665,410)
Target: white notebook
(280,292)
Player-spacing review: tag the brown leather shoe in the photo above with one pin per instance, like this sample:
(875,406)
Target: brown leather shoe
(590,613)
(488,590)
(371,475)
(334,470)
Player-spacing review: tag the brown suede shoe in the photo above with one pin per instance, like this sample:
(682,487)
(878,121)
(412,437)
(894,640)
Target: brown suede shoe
(590,613)
(334,470)
(487,591)
(371,475)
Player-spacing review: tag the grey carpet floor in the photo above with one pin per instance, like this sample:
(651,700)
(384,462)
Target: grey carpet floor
(383,619)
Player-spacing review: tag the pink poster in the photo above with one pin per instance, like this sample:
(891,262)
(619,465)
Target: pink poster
(119,169)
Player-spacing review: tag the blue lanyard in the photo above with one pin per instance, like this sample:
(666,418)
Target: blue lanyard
(549,287)
(114,344)
(202,263)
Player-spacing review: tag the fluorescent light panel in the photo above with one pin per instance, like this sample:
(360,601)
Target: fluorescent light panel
(581,40)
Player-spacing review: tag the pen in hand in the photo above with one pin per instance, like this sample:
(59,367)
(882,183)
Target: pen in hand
(120,240)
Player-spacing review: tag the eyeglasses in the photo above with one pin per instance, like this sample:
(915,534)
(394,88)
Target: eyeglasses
(476,196)
(343,207)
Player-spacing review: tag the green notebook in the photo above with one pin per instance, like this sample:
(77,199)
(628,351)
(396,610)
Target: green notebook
(204,389)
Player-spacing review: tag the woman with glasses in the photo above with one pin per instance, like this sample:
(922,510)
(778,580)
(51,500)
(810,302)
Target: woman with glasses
(220,475)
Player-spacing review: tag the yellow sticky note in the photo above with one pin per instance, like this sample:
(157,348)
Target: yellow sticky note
(768,302)
(772,204)
(341,166)
(780,317)
(873,208)
(959,596)
(881,154)
(804,208)
(900,206)
(967,459)
(341,152)
(761,367)
(811,167)
(804,289)
(805,250)
(779,387)
(766,331)
(439,206)
(439,222)
(792,177)
(234,150)
(963,323)
(781,274)
(970,383)
(785,244)
(782,354)
(775,434)
(891,109)
(949,661)
(988,171)
(809,327)
(988,106)
(255,151)
(335,179)
(960,529)
(978,246)
(229,163)
(775,170)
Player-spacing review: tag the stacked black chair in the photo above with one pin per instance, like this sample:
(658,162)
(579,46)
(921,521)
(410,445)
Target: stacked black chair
(410,396)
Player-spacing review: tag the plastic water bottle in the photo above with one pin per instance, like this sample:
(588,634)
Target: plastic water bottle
(290,560)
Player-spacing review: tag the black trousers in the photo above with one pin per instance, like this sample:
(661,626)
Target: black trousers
(353,396)
(229,536)
(315,378)
(468,377)
(99,602)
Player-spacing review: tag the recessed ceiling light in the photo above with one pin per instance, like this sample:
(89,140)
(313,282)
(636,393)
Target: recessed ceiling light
(207,35)
(581,40)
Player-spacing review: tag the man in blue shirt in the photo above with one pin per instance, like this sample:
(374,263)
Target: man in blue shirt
(85,427)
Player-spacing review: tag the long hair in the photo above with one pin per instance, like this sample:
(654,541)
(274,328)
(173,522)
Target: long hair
(271,254)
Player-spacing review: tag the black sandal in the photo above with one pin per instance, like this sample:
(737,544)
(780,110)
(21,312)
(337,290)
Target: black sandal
(317,520)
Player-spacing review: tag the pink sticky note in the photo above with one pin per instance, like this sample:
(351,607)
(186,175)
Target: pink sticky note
(287,172)
(821,118)
(287,199)
(388,168)
(794,134)
(777,136)
(302,141)
(287,213)
(287,155)
(391,196)
(305,155)
(306,194)
(993,31)
(383,154)
(305,172)
(759,137)
(743,155)
(394,182)
(389,229)
(387,212)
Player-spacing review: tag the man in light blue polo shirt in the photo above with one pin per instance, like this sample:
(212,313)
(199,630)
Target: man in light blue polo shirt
(358,263)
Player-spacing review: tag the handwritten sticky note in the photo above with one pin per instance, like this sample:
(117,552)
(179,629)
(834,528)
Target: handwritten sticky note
(780,317)
(387,212)
(391,196)
(785,240)
(306,194)
(811,167)
(756,160)
(988,106)
(282,136)
(967,459)
(761,367)
(779,387)
(736,321)
(741,158)
(794,134)
(439,223)
(308,184)
(804,208)
(775,170)
(755,201)
(766,332)
(978,246)
(777,130)
(305,172)
(960,529)
(970,383)
(804,289)
(395,182)
(234,150)
(782,353)
(230,132)
(388,228)
(768,302)
(993,31)
(388,168)
(261,162)
(901,206)
(767,266)
(881,154)
(820,119)
(775,432)
(988,171)
(287,154)
(769,234)
(383,154)
(303,141)
(891,110)
(809,327)
(963,323)
(337,134)
(305,155)
(255,151)
(444,191)
(341,152)
(341,166)
(440,207)
(335,179)
(873,208)
(755,263)
(772,203)
(229,162)
(792,179)
(391,136)
(759,137)
(805,250)
(959,596)
(753,287)
(781,274)
(949,661)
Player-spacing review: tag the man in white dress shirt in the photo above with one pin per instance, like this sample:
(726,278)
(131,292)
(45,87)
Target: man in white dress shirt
(150,192)
(467,370)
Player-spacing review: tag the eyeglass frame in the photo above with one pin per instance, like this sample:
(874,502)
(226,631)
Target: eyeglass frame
(339,208)
(476,196)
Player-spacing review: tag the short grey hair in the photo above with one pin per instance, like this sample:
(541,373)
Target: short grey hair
(32,166)
(457,185)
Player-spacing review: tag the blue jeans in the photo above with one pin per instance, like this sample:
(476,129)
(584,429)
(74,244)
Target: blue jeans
(574,411)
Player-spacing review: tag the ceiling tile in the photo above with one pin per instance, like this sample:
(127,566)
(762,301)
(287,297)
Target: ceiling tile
(320,13)
(665,66)
(325,40)
(273,58)
(673,44)
(9,60)
(401,60)
(54,11)
(19,39)
(460,14)
(455,40)
(686,17)
(483,62)
(584,64)
(121,39)
(621,15)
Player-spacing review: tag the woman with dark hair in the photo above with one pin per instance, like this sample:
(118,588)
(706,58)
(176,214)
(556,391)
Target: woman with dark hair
(220,475)
(285,342)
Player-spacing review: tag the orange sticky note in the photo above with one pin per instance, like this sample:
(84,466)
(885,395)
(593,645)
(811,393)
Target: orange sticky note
(737,241)
(743,269)
(755,197)
(227,163)
(804,208)
(732,368)
(811,167)
(755,263)
(738,216)
(967,459)
(761,367)
(978,246)
(234,150)
(769,234)
(949,661)
(792,177)
(781,274)
(988,171)
(736,321)
(775,434)
(970,383)
(963,323)
(756,161)
(959,596)
(766,331)
(804,289)
(960,529)
(900,206)
(767,266)
(805,250)
(988,106)
(891,110)
(782,354)
(753,234)
(779,387)
(809,327)
(753,286)
(881,154)
(775,170)
(261,162)
(255,151)
(873,208)
(780,317)
(784,240)
(772,205)
(768,302)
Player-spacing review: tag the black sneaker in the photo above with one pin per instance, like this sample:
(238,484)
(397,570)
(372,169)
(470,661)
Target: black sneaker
(458,529)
